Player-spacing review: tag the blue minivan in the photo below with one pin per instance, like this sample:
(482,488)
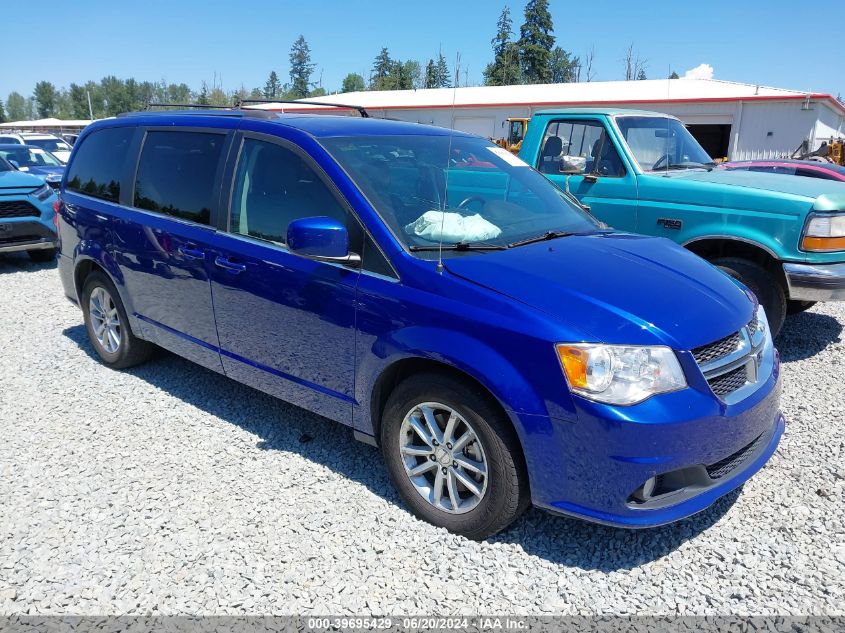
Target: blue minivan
(436,294)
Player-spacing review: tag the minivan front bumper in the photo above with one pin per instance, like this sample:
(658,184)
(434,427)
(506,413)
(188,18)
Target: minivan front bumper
(815,282)
(695,449)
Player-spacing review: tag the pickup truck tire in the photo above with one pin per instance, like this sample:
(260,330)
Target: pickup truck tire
(762,283)
(796,307)
(440,398)
(43,255)
(123,350)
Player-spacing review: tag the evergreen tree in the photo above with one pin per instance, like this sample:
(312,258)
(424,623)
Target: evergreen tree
(504,69)
(382,68)
(535,42)
(273,87)
(2,112)
(45,99)
(430,80)
(562,67)
(353,82)
(301,68)
(674,75)
(641,75)
(442,76)
(202,98)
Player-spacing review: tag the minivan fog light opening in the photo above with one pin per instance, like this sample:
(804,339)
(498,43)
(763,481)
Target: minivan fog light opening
(617,374)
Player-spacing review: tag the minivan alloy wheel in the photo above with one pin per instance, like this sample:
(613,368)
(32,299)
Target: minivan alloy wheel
(443,457)
(104,319)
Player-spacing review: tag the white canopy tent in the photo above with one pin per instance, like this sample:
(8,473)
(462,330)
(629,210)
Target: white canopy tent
(62,125)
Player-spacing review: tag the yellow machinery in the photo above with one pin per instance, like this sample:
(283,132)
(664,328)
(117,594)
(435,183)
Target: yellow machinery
(517,128)
(830,151)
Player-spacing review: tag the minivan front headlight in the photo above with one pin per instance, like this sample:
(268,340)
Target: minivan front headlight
(620,374)
(42,193)
(824,232)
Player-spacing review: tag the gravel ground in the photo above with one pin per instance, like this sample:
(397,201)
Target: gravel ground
(170,489)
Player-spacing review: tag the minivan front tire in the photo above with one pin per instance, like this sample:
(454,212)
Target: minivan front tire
(107,325)
(453,456)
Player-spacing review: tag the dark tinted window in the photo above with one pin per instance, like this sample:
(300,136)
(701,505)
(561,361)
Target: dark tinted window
(176,174)
(273,187)
(814,173)
(97,167)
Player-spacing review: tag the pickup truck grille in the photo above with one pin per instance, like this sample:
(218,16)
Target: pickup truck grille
(18,209)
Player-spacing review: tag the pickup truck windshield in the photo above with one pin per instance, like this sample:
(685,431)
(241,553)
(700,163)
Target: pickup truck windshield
(659,143)
(492,199)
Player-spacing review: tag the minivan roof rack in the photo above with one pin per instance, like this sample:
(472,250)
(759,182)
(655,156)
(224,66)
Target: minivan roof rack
(187,105)
(360,109)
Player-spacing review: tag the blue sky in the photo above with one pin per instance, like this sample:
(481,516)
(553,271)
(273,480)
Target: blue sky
(776,42)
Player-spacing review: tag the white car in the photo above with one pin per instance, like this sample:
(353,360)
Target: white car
(53,144)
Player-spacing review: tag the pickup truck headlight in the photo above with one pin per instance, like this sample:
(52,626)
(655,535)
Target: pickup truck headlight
(42,193)
(619,374)
(824,233)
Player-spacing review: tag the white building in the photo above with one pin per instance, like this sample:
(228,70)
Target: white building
(730,119)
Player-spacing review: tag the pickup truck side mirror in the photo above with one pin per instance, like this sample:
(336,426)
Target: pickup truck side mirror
(321,238)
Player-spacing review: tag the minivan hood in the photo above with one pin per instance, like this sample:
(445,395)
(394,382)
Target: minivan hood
(811,188)
(619,288)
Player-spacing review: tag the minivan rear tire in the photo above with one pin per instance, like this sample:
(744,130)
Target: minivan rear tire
(763,284)
(131,350)
(506,493)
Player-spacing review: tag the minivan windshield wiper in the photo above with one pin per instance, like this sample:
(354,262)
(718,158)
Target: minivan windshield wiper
(459,246)
(548,235)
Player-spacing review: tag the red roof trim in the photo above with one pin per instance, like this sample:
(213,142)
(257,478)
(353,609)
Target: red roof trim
(546,104)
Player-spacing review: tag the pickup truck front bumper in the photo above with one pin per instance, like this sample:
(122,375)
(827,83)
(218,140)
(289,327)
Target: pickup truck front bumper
(815,282)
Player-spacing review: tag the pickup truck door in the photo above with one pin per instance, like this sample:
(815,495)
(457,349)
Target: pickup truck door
(583,152)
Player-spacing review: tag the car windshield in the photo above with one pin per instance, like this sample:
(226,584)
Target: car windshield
(50,144)
(30,157)
(492,199)
(660,143)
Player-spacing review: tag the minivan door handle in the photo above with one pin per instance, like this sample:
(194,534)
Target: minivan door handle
(229,266)
(190,253)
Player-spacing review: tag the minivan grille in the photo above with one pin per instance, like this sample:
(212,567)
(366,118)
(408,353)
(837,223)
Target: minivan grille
(732,462)
(728,383)
(714,351)
(17,209)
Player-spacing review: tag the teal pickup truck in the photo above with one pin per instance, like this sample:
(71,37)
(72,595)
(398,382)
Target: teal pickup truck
(784,237)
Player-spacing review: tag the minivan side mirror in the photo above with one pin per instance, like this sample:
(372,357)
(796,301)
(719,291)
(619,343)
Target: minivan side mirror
(321,238)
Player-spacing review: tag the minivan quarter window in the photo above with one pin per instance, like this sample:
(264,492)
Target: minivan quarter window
(177,173)
(99,162)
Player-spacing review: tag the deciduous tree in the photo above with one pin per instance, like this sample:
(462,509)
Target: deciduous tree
(353,82)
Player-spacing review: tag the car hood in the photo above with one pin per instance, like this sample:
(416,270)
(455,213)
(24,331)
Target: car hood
(44,170)
(19,180)
(828,194)
(616,287)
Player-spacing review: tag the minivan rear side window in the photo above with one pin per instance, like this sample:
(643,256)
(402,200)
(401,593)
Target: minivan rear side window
(98,164)
(176,174)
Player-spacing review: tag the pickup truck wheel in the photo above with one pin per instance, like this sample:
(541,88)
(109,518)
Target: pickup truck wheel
(107,325)
(452,456)
(762,283)
(796,307)
(42,255)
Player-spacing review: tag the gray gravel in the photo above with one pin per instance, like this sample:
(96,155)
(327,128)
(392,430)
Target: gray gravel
(170,489)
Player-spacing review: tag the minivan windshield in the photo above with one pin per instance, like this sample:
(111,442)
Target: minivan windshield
(470,192)
(661,143)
